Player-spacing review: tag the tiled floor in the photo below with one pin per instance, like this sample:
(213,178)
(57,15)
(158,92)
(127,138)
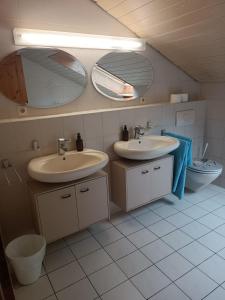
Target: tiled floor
(167,250)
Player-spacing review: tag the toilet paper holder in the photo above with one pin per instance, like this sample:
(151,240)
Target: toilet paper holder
(5,165)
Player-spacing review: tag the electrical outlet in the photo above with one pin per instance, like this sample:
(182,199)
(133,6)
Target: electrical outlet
(22,110)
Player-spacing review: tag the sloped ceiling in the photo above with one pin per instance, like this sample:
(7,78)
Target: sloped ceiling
(191,33)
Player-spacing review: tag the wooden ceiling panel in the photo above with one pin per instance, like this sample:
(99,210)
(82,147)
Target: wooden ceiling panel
(189,32)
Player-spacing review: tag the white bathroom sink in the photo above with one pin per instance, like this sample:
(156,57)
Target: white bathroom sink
(71,166)
(147,147)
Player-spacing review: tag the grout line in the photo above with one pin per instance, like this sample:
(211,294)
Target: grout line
(139,249)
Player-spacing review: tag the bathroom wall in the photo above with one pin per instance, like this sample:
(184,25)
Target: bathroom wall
(98,128)
(99,131)
(214,93)
(84,16)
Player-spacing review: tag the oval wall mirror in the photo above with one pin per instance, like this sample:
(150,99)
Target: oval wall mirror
(122,76)
(42,77)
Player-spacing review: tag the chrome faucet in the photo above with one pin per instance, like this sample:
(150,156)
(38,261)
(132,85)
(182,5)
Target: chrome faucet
(138,131)
(62,145)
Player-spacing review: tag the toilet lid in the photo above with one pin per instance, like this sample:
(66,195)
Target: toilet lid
(206,166)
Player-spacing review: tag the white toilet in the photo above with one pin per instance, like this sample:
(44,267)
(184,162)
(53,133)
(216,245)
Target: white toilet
(202,173)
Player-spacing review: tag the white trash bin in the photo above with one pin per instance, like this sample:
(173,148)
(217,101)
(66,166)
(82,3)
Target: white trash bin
(26,254)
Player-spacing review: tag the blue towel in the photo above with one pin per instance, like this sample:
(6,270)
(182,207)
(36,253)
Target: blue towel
(182,159)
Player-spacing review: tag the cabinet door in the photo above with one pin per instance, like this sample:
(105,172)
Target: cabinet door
(161,177)
(92,201)
(58,213)
(138,186)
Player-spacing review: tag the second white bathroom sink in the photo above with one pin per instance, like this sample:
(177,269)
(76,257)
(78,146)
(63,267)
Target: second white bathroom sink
(71,166)
(147,147)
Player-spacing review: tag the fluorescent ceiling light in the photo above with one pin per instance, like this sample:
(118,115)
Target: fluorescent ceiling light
(32,37)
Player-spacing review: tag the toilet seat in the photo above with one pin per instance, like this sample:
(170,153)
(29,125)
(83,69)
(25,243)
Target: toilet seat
(206,167)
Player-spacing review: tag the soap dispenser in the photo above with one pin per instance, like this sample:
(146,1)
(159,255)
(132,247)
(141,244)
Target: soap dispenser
(125,134)
(79,143)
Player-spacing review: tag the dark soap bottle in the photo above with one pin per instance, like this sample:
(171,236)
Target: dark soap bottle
(125,135)
(79,143)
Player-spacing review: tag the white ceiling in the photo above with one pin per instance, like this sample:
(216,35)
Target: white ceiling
(191,33)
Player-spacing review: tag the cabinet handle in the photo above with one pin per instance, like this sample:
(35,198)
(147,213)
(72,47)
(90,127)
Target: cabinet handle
(84,190)
(145,172)
(66,196)
(157,168)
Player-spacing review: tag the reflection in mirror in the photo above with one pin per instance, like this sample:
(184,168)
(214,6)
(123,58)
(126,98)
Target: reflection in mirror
(122,76)
(42,77)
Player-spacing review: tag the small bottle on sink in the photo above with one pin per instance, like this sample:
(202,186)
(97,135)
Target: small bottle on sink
(79,143)
(125,133)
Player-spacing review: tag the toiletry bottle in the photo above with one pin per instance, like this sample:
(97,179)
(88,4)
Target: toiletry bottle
(79,143)
(125,135)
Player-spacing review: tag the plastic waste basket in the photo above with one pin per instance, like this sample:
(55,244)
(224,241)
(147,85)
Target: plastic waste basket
(26,254)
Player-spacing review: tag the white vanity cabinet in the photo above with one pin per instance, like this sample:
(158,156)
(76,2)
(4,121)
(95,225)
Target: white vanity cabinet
(63,209)
(91,201)
(135,183)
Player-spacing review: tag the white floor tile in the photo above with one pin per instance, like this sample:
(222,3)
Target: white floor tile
(165,211)
(37,291)
(85,247)
(213,241)
(58,259)
(209,205)
(179,219)
(119,218)
(108,236)
(181,204)
(222,253)
(221,230)
(195,230)
(77,237)
(219,198)
(139,211)
(133,263)
(142,237)
(100,226)
(162,228)
(129,227)
(196,285)
(174,266)
(220,212)
(211,221)
(156,250)
(58,245)
(170,293)
(214,267)
(120,248)
(125,291)
(216,188)
(195,253)
(193,198)
(107,278)
(79,291)
(148,218)
(207,193)
(150,281)
(218,294)
(66,276)
(195,212)
(177,239)
(156,204)
(95,261)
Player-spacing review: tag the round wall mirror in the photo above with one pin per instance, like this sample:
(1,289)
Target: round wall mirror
(122,76)
(42,77)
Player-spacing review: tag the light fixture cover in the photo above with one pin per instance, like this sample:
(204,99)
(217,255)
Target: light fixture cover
(32,37)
